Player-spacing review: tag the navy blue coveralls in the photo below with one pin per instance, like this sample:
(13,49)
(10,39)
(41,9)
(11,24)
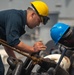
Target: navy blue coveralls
(12,26)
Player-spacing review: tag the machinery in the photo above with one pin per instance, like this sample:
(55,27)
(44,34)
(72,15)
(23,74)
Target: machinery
(65,63)
(47,65)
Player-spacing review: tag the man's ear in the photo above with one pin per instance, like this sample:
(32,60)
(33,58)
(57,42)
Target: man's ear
(32,14)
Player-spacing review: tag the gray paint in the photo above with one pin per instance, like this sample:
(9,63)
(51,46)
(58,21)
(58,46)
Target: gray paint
(65,7)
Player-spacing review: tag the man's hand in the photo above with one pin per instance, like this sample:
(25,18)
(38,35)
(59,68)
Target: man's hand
(38,46)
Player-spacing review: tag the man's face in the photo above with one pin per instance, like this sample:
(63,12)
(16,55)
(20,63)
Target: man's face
(33,20)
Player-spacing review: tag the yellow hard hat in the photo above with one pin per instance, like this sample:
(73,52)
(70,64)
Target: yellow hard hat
(42,10)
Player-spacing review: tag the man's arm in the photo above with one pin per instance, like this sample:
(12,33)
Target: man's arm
(9,52)
(38,46)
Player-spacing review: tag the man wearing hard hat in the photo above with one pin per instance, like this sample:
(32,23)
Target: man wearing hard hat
(12,27)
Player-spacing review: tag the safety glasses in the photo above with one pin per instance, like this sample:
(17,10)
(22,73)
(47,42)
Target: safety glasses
(44,19)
